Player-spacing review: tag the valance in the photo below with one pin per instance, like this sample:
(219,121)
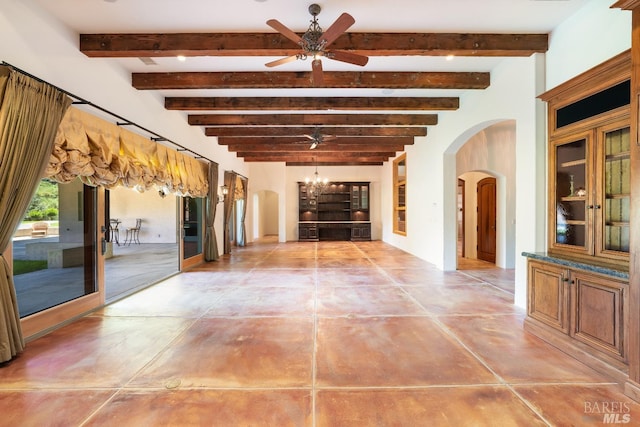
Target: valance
(103,154)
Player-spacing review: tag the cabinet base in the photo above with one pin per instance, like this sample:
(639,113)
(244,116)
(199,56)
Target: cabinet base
(632,389)
(610,367)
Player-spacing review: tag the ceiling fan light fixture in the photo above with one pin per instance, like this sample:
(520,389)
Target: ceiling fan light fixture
(313,145)
(314,42)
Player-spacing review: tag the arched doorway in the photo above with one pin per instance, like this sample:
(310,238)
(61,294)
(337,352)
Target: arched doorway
(266,214)
(489,152)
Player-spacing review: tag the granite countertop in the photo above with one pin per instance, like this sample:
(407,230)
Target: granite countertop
(609,271)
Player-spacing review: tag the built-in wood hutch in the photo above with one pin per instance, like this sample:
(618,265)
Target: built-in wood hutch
(578,291)
(339,212)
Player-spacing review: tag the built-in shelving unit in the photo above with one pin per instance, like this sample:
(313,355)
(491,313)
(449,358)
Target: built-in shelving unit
(339,212)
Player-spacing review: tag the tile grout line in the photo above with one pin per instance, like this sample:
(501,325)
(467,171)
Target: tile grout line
(447,331)
(315,340)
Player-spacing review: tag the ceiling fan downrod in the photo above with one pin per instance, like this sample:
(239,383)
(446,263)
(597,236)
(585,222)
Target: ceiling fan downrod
(311,42)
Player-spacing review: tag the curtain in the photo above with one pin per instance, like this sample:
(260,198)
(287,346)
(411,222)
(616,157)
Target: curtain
(210,241)
(229,202)
(30,113)
(242,241)
(102,153)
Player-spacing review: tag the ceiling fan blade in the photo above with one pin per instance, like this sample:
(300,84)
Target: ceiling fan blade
(328,138)
(336,29)
(316,72)
(285,31)
(281,61)
(351,58)
(313,145)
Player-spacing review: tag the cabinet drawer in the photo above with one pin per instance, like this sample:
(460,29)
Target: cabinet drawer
(548,297)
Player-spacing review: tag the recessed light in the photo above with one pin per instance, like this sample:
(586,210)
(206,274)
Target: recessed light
(181,58)
(450,57)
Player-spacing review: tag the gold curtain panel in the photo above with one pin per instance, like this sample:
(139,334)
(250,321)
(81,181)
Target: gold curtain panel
(103,154)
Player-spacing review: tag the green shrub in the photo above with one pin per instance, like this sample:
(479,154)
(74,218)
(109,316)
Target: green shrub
(35,215)
(51,213)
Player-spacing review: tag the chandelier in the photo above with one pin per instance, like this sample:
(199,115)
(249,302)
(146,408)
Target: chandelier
(316,184)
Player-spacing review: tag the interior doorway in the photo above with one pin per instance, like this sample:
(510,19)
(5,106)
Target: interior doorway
(461,217)
(486,190)
(266,215)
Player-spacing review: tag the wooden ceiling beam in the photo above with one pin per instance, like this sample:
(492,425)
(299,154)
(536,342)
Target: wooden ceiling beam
(304,147)
(334,163)
(302,131)
(274,44)
(373,140)
(292,80)
(311,103)
(312,158)
(313,119)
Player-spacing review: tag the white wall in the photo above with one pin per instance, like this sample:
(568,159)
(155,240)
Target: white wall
(591,36)
(159,215)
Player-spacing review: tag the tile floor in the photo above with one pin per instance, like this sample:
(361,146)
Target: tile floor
(308,334)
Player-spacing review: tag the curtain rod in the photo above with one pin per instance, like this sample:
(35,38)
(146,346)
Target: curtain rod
(156,137)
(239,174)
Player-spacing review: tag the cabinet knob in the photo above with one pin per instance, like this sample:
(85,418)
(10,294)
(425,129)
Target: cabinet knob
(589,206)
(598,206)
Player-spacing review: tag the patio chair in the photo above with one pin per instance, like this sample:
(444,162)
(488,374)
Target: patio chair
(132,233)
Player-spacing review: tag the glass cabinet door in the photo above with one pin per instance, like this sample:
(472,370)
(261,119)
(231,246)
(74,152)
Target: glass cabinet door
(614,204)
(572,194)
(364,197)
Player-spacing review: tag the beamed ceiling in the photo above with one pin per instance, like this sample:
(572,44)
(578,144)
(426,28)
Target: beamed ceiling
(360,115)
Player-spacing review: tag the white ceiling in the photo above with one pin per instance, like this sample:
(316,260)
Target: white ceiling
(423,16)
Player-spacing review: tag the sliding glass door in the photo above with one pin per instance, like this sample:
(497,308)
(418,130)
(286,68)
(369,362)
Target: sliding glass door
(54,248)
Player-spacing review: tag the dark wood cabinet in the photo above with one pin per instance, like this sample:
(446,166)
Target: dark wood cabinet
(339,212)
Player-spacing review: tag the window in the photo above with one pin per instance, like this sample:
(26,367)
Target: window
(399,195)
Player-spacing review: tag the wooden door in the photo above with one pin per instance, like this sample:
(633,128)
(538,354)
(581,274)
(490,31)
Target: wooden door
(461,217)
(487,219)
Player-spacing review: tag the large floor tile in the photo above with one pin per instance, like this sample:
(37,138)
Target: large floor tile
(166,299)
(186,408)
(392,351)
(262,301)
(38,408)
(353,277)
(516,355)
(366,301)
(476,298)
(582,405)
(341,262)
(290,277)
(447,406)
(248,352)
(94,351)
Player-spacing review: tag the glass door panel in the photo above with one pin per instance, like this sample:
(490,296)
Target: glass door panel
(192,226)
(54,248)
(572,194)
(616,183)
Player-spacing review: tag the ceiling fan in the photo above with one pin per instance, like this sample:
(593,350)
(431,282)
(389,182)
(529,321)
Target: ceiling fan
(314,43)
(318,138)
